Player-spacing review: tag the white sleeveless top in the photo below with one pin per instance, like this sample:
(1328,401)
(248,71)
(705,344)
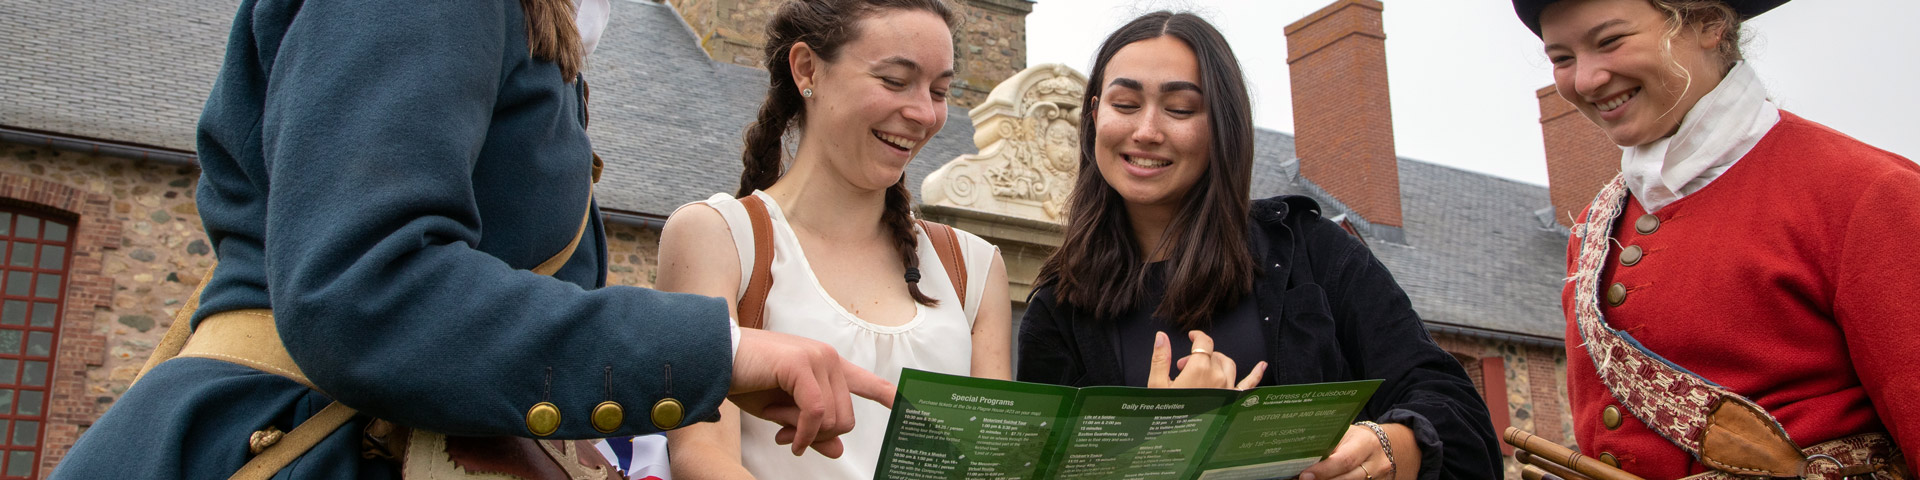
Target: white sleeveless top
(798,305)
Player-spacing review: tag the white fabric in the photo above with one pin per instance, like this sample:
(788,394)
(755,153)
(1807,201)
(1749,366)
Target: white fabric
(647,455)
(1720,129)
(590,18)
(936,339)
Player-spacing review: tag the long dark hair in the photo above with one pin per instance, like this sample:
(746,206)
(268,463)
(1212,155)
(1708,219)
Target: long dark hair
(552,37)
(1099,265)
(825,26)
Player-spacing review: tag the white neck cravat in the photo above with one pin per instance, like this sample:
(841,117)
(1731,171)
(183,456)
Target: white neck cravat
(1720,129)
(590,18)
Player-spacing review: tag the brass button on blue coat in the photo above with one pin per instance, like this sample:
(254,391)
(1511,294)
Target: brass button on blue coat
(543,419)
(667,413)
(1647,224)
(608,416)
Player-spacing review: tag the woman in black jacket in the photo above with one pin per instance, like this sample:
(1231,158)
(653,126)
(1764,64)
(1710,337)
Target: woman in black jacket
(1160,237)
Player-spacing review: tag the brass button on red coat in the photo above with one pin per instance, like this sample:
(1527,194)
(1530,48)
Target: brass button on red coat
(1610,417)
(1607,458)
(1616,294)
(1647,224)
(1631,255)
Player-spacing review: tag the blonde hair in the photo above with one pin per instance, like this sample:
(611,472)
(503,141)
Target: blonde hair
(1707,14)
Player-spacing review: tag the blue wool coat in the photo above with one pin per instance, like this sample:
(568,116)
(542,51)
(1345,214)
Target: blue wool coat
(383,175)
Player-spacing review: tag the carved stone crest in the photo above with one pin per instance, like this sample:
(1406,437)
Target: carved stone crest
(1028,133)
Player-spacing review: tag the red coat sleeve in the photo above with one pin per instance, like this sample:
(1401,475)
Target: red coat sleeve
(1877,300)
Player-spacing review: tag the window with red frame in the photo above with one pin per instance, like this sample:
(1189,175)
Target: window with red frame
(32,284)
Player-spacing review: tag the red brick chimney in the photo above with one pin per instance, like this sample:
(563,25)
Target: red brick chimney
(1343,126)
(1580,158)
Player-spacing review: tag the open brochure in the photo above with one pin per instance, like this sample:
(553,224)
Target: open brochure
(953,427)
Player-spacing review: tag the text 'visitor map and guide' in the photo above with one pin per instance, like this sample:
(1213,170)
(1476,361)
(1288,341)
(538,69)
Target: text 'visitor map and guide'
(952,427)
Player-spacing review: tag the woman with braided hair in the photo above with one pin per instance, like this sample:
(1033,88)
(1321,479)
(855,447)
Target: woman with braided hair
(857,87)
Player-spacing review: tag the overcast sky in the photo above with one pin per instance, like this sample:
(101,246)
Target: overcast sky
(1463,72)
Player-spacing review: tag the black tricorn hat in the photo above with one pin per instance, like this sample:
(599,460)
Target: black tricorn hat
(1529,10)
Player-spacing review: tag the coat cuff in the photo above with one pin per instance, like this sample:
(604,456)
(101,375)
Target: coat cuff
(1423,435)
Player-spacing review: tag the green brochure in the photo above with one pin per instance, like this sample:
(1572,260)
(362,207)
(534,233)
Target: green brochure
(952,427)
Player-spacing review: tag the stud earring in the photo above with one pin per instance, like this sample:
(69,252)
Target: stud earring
(806,92)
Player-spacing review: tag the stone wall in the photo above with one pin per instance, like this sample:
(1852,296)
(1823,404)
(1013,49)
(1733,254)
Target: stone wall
(990,44)
(1536,385)
(731,31)
(162,253)
(990,38)
(138,252)
(636,255)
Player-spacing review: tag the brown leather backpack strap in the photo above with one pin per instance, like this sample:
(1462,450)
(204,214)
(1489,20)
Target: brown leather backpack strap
(946,244)
(753,304)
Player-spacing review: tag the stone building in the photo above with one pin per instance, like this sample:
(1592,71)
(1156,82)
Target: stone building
(989,42)
(98,102)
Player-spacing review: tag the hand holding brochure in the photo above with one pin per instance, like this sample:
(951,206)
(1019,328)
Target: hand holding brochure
(952,427)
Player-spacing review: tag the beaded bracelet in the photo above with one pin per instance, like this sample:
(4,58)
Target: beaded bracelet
(1393,468)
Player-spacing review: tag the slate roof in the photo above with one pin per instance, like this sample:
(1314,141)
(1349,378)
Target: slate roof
(668,121)
(130,71)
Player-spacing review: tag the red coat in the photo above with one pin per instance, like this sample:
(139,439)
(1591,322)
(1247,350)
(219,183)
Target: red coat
(1793,279)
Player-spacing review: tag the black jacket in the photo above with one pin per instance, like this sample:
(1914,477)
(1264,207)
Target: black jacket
(1332,313)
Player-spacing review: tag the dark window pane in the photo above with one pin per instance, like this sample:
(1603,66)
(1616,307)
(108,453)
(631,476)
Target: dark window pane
(56,232)
(20,463)
(39,344)
(30,401)
(9,369)
(19,283)
(14,312)
(35,374)
(10,341)
(44,313)
(52,257)
(25,433)
(22,254)
(49,286)
(27,227)
(6,224)
(6,402)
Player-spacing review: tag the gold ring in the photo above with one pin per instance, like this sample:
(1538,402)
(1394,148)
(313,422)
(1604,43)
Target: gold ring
(1363,469)
(1199,350)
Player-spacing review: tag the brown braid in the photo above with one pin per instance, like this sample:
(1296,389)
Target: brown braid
(552,37)
(764,147)
(899,218)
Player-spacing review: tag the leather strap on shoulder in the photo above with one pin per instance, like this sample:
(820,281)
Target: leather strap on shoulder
(946,245)
(753,305)
(296,443)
